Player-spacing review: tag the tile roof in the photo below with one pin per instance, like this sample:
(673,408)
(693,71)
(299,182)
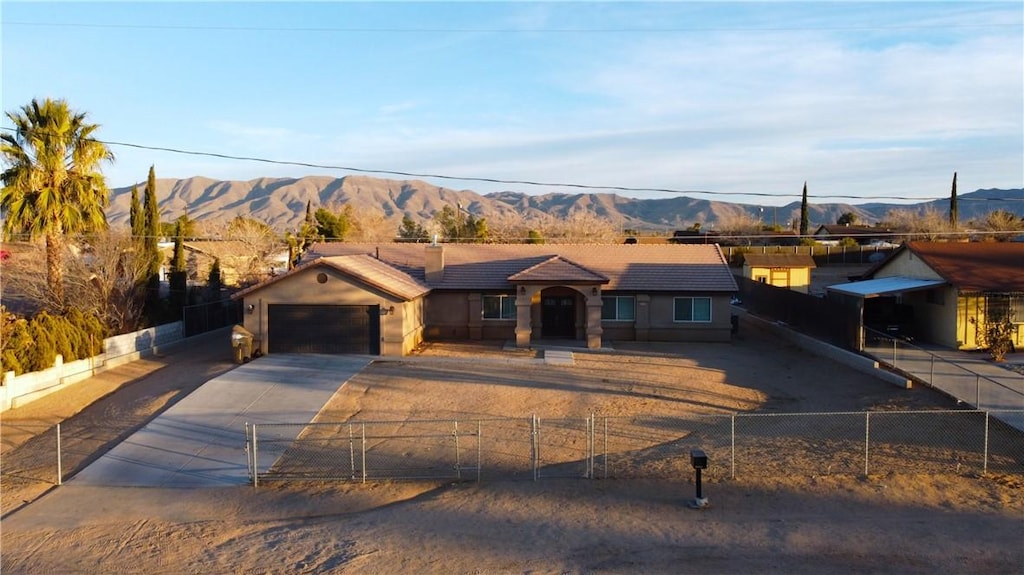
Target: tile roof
(628,267)
(362,267)
(779,260)
(557,269)
(976,266)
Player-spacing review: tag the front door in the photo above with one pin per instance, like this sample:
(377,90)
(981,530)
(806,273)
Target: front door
(558,316)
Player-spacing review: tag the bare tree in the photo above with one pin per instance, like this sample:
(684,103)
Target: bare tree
(1002,223)
(103,274)
(738,223)
(918,224)
(246,248)
(370,226)
(580,227)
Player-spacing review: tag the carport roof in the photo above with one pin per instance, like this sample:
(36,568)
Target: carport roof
(884,286)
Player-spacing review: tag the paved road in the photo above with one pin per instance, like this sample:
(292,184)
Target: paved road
(200,441)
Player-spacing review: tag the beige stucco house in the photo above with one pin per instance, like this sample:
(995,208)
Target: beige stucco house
(791,271)
(388,298)
(943,292)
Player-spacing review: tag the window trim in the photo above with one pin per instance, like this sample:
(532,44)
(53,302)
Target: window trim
(501,307)
(693,299)
(617,319)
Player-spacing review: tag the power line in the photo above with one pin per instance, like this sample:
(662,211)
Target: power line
(438,30)
(510,181)
(514,182)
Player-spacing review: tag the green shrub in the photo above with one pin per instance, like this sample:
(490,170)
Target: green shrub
(41,355)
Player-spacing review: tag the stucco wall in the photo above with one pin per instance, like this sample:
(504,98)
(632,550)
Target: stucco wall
(400,331)
(796,279)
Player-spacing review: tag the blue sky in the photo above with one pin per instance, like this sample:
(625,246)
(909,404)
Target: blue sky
(864,101)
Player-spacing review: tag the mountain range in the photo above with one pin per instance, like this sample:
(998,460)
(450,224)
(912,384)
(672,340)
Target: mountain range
(281,203)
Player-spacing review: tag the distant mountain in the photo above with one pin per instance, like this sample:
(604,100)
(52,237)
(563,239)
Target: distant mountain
(281,203)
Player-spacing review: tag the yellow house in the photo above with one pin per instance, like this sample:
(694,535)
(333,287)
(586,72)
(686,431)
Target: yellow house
(792,271)
(945,292)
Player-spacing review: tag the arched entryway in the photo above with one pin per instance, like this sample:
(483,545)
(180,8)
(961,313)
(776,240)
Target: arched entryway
(559,318)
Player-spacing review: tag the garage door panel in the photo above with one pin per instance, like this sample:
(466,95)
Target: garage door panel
(329,329)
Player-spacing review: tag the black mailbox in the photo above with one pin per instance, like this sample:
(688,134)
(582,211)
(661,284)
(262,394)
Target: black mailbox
(698,459)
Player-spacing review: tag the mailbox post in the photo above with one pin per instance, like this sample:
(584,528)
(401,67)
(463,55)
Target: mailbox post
(699,461)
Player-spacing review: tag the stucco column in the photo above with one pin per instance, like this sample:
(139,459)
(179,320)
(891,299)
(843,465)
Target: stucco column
(476,314)
(643,317)
(594,329)
(524,328)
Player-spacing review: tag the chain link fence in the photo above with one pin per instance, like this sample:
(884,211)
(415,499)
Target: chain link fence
(997,390)
(599,447)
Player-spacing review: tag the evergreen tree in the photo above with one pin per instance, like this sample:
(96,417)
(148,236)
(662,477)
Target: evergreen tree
(804,221)
(332,227)
(152,247)
(411,231)
(953,211)
(179,273)
(137,218)
(214,282)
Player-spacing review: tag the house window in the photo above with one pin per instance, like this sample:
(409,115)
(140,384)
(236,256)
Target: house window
(618,308)
(692,309)
(499,306)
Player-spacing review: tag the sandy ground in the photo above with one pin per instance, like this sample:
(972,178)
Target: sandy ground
(885,523)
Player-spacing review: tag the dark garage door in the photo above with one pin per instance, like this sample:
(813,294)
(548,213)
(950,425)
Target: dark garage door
(333,329)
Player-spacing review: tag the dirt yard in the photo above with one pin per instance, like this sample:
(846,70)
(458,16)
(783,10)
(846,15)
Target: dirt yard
(890,522)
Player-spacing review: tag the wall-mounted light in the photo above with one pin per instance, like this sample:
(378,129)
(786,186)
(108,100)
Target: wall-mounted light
(387,310)
(593,291)
(522,290)
(250,308)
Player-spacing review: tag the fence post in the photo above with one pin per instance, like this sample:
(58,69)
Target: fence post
(977,391)
(248,452)
(351,452)
(535,445)
(894,352)
(604,448)
(867,439)
(363,448)
(984,465)
(931,370)
(479,449)
(255,461)
(732,438)
(458,466)
(60,471)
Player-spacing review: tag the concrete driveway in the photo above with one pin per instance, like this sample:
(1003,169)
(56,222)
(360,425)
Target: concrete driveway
(200,441)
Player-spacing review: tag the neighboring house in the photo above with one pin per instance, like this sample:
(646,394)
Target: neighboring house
(834,233)
(943,292)
(792,271)
(388,298)
(239,265)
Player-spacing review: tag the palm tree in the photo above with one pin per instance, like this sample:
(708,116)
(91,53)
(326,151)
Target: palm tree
(52,185)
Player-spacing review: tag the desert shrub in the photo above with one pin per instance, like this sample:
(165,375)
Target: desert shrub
(41,355)
(32,345)
(58,329)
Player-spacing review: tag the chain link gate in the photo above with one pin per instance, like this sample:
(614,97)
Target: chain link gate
(648,446)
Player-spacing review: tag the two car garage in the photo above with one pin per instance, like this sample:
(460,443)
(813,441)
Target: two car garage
(328,329)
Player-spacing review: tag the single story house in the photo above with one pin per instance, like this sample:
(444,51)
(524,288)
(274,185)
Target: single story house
(864,235)
(943,292)
(388,298)
(792,271)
